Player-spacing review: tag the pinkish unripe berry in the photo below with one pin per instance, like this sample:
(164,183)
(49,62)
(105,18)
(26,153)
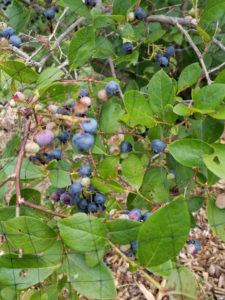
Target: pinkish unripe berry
(18,96)
(86,101)
(220,201)
(102,94)
(38,107)
(114,150)
(45,137)
(52,108)
(55,196)
(32,147)
(116,139)
(12,103)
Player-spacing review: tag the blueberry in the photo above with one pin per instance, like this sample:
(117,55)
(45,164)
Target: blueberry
(64,136)
(60,191)
(99,198)
(49,13)
(56,154)
(90,3)
(127,48)
(158,146)
(140,13)
(170,52)
(101,208)
(158,55)
(92,188)
(48,156)
(83,141)
(112,88)
(45,137)
(85,171)
(48,1)
(75,199)
(83,204)
(65,198)
(146,215)
(84,92)
(134,245)
(126,147)
(8,32)
(92,207)
(135,214)
(197,245)
(75,188)
(56,8)
(90,125)
(55,196)
(62,111)
(163,61)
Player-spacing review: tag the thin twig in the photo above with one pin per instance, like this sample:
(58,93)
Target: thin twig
(43,209)
(58,22)
(112,68)
(7,179)
(189,22)
(219,44)
(216,68)
(180,27)
(19,161)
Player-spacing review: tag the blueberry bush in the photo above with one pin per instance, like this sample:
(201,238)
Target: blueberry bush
(112,97)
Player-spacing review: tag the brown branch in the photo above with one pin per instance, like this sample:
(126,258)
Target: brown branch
(43,209)
(190,181)
(7,179)
(189,22)
(19,199)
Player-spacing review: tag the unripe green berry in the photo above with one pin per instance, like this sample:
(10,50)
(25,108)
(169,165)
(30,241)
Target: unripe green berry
(32,147)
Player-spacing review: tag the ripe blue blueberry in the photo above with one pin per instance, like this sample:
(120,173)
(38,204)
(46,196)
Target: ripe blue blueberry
(75,199)
(85,171)
(56,154)
(83,203)
(158,146)
(62,111)
(56,8)
(75,188)
(170,52)
(92,207)
(135,214)
(127,48)
(65,198)
(48,156)
(48,1)
(134,245)
(163,61)
(92,188)
(83,141)
(112,88)
(126,147)
(101,208)
(49,13)
(60,191)
(84,92)
(64,136)
(90,125)
(146,215)
(140,13)
(90,3)
(8,32)
(99,198)
(158,55)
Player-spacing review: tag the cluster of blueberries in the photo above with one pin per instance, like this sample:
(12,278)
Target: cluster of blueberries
(163,59)
(9,34)
(47,157)
(5,3)
(50,11)
(83,194)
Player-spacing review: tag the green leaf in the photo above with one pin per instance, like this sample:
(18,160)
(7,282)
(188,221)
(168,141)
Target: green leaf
(138,108)
(18,71)
(110,112)
(216,217)
(18,16)
(195,203)
(161,91)
(48,76)
(133,171)
(121,7)
(93,258)
(29,234)
(81,46)
(219,113)
(78,7)
(12,146)
(57,92)
(189,76)
(123,231)
(213,11)
(163,270)
(59,178)
(131,58)
(104,48)
(108,167)
(183,281)
(83,233)
(163,235)
(216,161)
(96,282)
(29,195)
(189,152)
(98,147)
(220,77)
(28,169)
(209,97)
(107,186)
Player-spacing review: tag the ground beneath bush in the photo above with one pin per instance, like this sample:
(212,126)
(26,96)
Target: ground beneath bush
(208,264)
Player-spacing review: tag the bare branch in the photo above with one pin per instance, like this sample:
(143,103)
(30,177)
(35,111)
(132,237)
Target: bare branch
(219,44)
(179,26)
(58,22)
(216,68)
(188,21)
(7,179)
(43,209)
